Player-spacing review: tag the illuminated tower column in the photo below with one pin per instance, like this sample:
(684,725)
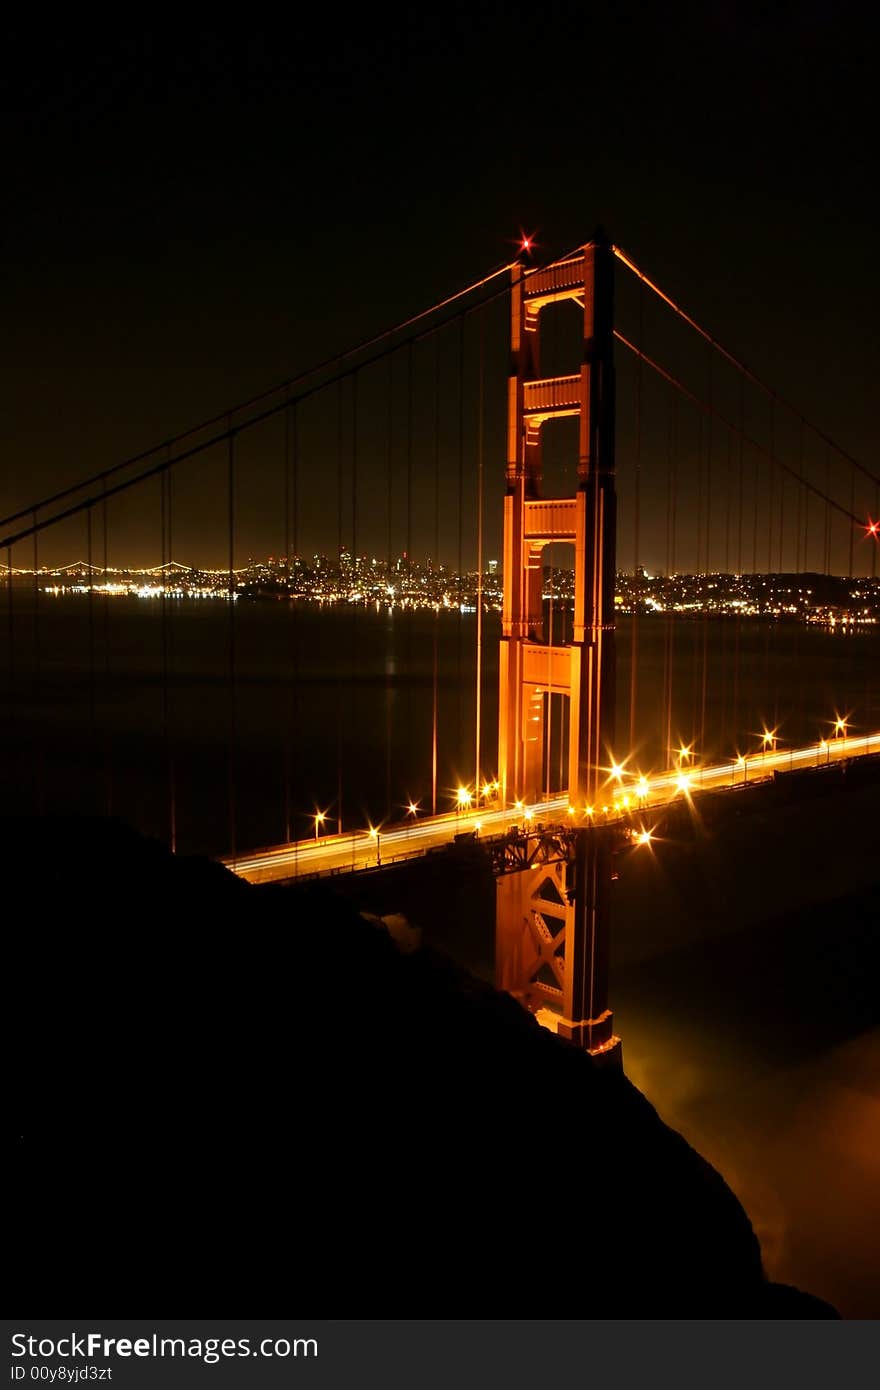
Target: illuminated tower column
(583,670)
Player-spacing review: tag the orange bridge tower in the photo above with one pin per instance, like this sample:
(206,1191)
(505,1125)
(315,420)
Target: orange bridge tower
(552,927)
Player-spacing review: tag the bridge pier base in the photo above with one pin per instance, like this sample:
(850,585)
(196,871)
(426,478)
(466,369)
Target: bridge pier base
(552,920)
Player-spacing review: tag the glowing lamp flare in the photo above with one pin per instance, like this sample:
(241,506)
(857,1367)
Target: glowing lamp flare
(872,528)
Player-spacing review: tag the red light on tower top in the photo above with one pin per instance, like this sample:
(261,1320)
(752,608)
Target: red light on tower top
(872,528)
(526,244)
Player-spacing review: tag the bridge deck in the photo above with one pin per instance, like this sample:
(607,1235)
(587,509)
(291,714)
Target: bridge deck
(362,850)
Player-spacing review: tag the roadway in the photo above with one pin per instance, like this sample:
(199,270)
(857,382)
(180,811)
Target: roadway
(625,794)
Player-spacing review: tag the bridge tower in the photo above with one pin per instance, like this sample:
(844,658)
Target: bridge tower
(564,967)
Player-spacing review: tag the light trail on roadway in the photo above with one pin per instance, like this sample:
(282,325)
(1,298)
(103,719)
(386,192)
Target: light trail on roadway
(627,794)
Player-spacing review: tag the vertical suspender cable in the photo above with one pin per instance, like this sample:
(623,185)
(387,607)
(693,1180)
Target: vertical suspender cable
(801,496)
(771,479)
(780,568)
(671,510)
(826,552)
(39,780)
(436,644)
(165,483)
(339,553)
(285,769)
(12,752)
(479,655)
(728,503)
(724,644)
(388,689)
(852,508)
(293,603)
(459,508)
(704,683)
(755,489)
(407,575)
(695,626)
(634,629)
(231,634)
(355,616)
(93,728)
(108,737)
(739,560)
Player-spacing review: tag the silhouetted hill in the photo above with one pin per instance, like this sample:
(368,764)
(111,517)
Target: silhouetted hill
(246,1100)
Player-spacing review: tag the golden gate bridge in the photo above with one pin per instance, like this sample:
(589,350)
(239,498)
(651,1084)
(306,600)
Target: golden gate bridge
(552,734)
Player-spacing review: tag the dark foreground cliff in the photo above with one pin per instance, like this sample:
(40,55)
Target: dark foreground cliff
(236,1100)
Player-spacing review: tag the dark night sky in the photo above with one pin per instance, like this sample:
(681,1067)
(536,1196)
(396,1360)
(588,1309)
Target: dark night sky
(191,216)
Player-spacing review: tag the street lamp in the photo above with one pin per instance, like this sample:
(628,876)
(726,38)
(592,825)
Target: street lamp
(374,835)
(319,821)
(768,740)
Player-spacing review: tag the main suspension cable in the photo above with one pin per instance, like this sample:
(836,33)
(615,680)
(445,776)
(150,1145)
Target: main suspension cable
(739,365)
